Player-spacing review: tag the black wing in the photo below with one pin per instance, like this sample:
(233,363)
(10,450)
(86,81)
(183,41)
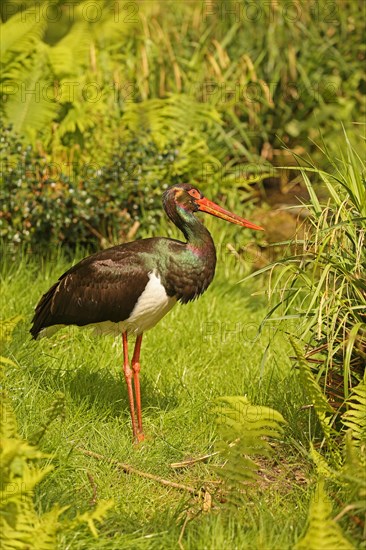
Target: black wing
(102,287)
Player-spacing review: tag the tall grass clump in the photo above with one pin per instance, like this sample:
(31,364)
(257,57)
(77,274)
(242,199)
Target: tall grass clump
(322,284)
(318,297)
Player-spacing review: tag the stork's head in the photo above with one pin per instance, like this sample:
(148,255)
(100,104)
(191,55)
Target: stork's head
(190,199)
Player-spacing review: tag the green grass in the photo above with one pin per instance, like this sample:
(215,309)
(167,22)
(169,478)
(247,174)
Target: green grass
(197,353)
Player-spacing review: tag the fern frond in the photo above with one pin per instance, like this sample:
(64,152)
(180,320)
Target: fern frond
(56,410)
(20,524)
(98,514)
(33,106)
(21,32)
(46,529)
(7,327)
(323,533)
(355,417)
(81,116)
(29,531)
(321,464)
(11,448)
(354,455)
(168,119)
(8,423)
(71,53)
(352,474)
(312,388)
(244,432)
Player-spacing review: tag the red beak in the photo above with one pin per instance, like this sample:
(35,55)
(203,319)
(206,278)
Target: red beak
(211,208)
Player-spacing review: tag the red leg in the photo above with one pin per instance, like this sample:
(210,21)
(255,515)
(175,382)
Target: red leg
(136,381)
(128,377)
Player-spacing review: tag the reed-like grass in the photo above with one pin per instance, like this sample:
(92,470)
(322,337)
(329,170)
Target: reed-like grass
(321,287)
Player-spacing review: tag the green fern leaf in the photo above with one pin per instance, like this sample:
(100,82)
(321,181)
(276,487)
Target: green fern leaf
(71,54)
(8,423)
(33,106)
(21,527)
(7,327)
(21,32)
(355,417)
(168,119)
(56,410)
(354,456)
(322,466)
(81,116)
(312,388)
(323,533)
(352,474)
(98,514)
(45,532)
(244,432)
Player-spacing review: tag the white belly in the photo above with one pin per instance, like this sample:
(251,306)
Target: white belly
(151,306)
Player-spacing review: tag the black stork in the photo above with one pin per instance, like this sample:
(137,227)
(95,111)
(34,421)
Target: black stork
(128,288)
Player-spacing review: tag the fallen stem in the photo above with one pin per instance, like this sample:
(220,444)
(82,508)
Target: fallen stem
(131,470)
(93,485)
(182,532)
(192,461)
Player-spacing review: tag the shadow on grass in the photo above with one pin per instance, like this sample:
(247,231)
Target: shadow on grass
(100,389)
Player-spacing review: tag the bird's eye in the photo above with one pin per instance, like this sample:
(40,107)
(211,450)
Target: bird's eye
(194,193)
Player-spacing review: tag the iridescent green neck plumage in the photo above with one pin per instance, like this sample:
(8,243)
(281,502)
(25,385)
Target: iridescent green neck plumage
(194,231)
(192,268)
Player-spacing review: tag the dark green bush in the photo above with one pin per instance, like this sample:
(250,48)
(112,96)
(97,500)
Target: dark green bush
(95,205)
(177,88)
(43,206)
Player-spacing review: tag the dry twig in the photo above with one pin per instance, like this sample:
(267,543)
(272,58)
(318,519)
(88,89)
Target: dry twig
(131,470)
(94,487)
(191,461)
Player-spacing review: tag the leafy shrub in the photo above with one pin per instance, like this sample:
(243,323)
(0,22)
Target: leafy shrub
(105,198)
(44,208)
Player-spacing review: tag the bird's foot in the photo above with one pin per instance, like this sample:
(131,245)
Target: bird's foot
(139,437)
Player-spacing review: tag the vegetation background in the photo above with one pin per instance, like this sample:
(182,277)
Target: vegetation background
(262,104)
